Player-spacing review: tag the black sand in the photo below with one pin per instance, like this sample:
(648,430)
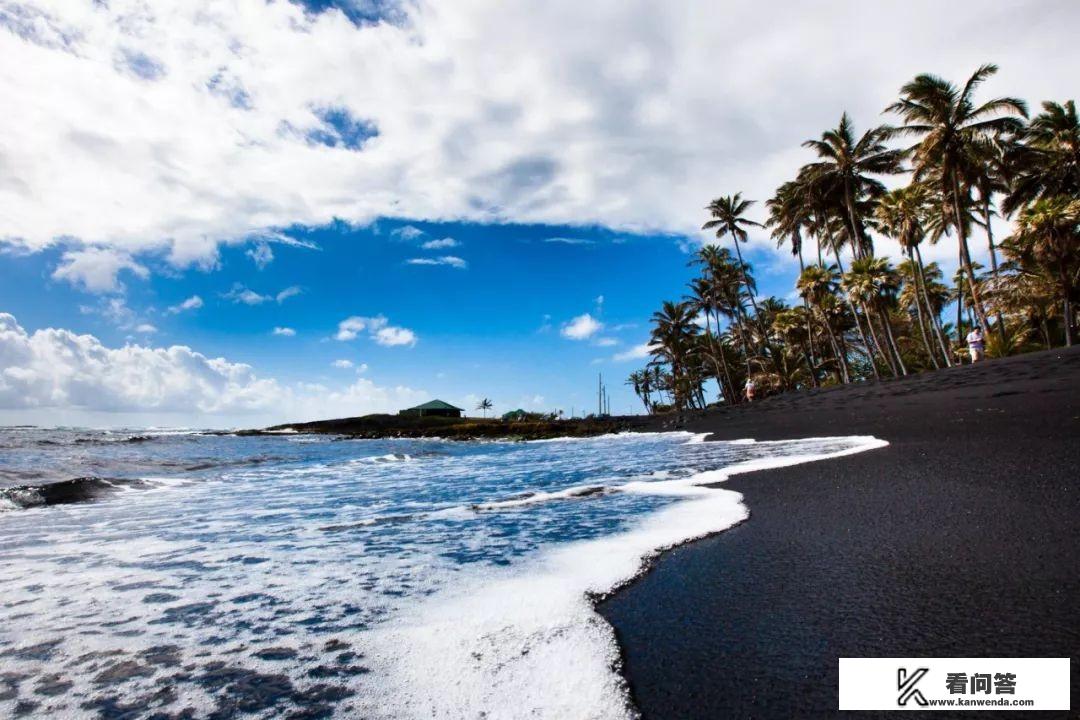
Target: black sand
(962,538)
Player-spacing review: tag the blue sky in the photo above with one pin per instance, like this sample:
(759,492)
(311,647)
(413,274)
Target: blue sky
(492,328)
(179,178)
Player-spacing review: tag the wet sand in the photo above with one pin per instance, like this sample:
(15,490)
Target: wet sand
(962,538)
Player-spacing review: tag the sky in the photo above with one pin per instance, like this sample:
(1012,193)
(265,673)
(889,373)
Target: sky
(222,214)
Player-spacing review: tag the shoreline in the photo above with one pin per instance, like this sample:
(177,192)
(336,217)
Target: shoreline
(934,546)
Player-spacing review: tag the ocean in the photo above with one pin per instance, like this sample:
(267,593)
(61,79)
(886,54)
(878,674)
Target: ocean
(177,574)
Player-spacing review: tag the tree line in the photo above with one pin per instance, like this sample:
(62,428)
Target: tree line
(965,162)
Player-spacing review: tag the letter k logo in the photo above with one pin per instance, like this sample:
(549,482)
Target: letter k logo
(905,684)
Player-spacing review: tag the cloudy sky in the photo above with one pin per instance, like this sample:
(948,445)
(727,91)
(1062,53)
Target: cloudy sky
(232,213)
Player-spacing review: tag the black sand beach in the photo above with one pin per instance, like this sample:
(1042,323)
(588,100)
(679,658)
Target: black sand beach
(962,538)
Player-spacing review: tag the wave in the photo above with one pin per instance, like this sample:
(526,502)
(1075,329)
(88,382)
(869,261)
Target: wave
(531,633)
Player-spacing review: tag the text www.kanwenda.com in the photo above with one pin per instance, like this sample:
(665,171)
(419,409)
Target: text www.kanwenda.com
(978,702)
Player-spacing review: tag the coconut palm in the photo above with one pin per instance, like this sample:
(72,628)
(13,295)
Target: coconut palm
(845,169)
(671,342)
(1047,161)
(484,405)
(1048,237)
(952,132)
(703,301)
(900,214)
(873,282)
(728,219)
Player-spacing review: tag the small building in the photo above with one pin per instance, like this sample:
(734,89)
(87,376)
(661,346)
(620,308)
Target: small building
(433,408)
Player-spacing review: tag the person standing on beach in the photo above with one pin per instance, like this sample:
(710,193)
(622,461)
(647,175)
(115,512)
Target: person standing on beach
(749,390)
(976,344)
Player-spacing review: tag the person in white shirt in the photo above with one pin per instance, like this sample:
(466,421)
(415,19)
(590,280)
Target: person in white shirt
(976,344)
(749,391)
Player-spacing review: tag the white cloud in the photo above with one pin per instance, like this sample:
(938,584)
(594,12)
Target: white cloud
(192,303)
(342,364)
(638,352)
(569,241)
(284,331)
(485,111)
(449,260)
(240,294)
(441,244)
(605,342)
(582,327)
(288,293)
(95,269)
(378,329)
(261,255)
(407,233)
(145,328)
(53,373)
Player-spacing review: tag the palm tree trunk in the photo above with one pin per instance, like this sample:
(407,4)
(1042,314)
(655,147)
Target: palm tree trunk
(993,266)
(842,367)
(884,315)
(1068,321)
(812,360)
(882,349)
(716,365)
(934,319)
(919,315)
(965,255)
(855,314)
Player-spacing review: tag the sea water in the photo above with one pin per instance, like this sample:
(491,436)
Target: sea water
(176,574)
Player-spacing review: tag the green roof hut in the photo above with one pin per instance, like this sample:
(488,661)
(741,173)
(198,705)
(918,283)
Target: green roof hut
(433,408)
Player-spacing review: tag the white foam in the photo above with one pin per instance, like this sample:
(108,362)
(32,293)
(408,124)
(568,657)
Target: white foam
(527,642)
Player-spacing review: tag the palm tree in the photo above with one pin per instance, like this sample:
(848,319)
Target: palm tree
(845,168)
(873,282)
(817,283)
(671,341)
(1047,161)
(900,214)
(639,380)
(703,300)
(484,405)
(952,133)
(1048,236)
(727,213)
(789,216)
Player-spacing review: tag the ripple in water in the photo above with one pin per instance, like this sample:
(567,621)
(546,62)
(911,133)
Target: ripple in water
(287,576)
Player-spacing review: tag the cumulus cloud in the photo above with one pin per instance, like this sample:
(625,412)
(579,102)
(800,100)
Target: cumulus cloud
(582,327)
(441,244)
(287,293)
(56,370)
(246,296)
(378,329)
(180,120)
(261,255)
(637,352)
(145,328)
(192,303)
(342,364)
(96,269)
(284,331)
(449,260)
(407,233)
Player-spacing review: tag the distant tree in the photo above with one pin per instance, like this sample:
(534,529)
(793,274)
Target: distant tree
(484,405)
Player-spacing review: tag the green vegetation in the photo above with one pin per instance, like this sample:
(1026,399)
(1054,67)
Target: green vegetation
(963,159)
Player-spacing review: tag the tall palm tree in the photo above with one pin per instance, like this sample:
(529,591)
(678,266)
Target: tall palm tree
(1048,236)
(703,300)
(484,405)
(816,283)
(900,214)
(1047,161)
(789,215)
(671,341)
(873,282)
(845,168)
(728,219)
(952,131)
